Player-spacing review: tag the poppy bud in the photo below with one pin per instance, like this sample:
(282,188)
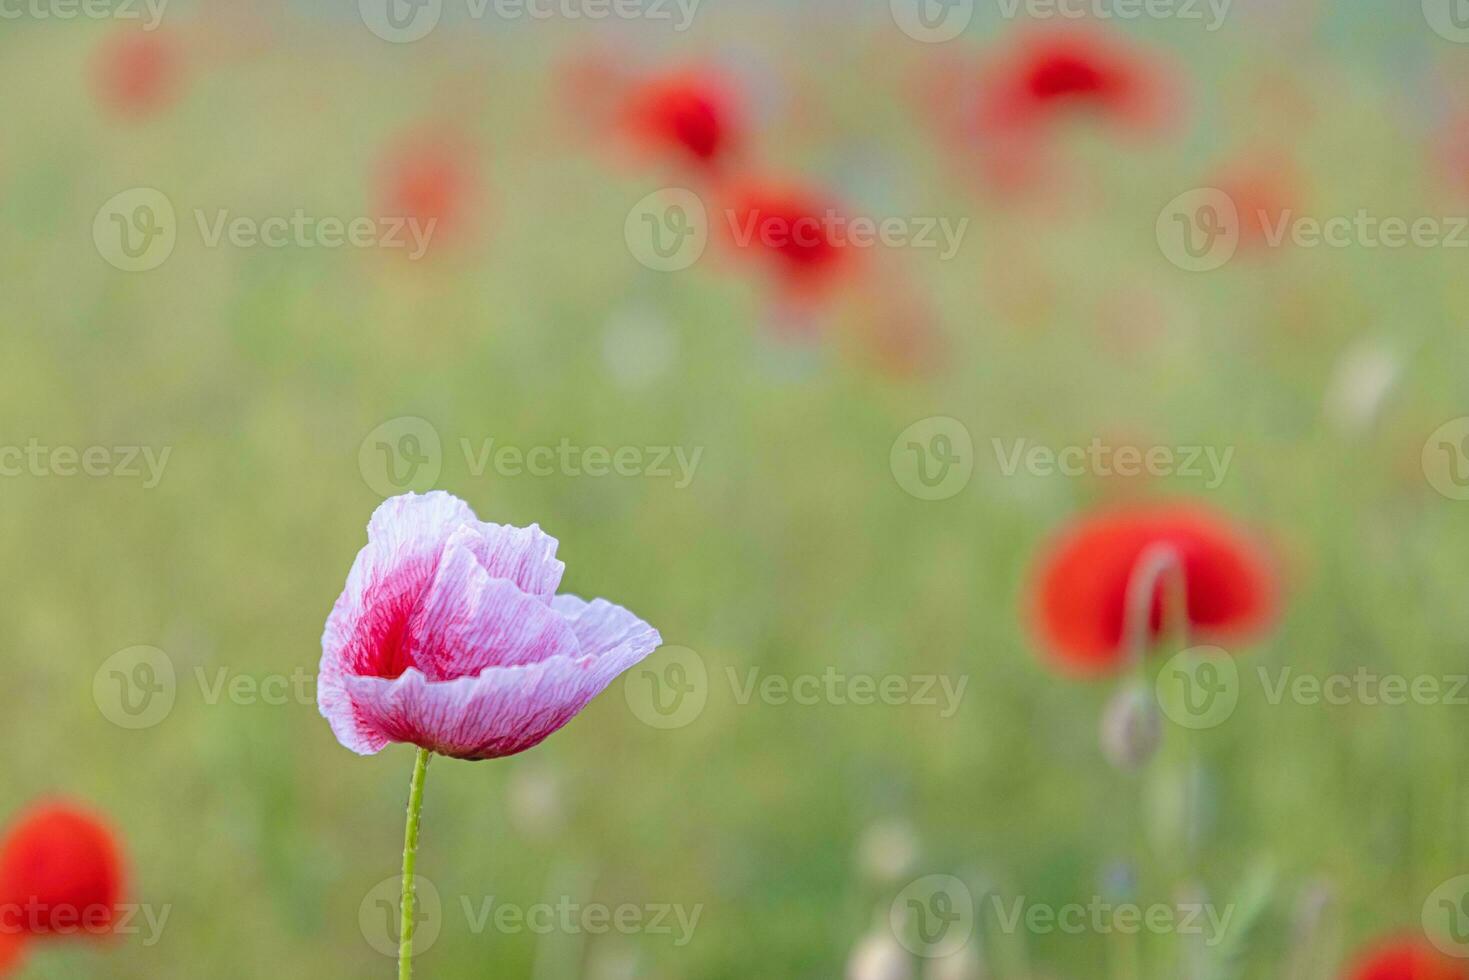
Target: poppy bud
(1131,729)
(879,957)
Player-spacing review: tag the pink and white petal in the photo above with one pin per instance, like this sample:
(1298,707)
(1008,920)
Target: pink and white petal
(389,577)
(503,711)
(347,725)
(603,626)
(524,555)
(411,521)
(470,620)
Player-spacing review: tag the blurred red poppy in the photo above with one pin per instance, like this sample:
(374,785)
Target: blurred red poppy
(1406,958)
(898,326)
(591,85)
(137,73)
(689,117)
(1052,75)
(10,950)
(796,233)
(1081,582)
(61,874)
(1263,194)
(430,175)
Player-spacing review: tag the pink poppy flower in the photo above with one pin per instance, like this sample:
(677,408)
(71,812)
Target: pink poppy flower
(450,636)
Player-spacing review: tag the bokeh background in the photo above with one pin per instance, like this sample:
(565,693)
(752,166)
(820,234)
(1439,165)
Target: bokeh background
(798,546)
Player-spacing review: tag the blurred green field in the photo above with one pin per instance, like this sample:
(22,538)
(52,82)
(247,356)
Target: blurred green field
(794,548)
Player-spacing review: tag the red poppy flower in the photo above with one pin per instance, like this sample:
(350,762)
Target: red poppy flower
(1056,74)
(1262,194)
(10,950)
(688,116)
(796,233)
(60,874)
(1081,584)
(137,73)
(591,85)
(1406,959)
(429,176)
(898,327)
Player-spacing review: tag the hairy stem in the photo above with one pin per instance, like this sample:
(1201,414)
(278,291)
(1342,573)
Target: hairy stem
(410,856)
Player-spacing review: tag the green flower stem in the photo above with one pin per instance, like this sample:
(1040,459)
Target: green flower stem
(410,855)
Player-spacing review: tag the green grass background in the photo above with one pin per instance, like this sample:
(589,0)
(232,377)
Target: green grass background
(793,550)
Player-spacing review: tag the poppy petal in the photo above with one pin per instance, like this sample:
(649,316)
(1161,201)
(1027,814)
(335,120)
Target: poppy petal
(503,711)
(469,620)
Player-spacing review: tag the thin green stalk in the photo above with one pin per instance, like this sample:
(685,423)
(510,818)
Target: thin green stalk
(410,855)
